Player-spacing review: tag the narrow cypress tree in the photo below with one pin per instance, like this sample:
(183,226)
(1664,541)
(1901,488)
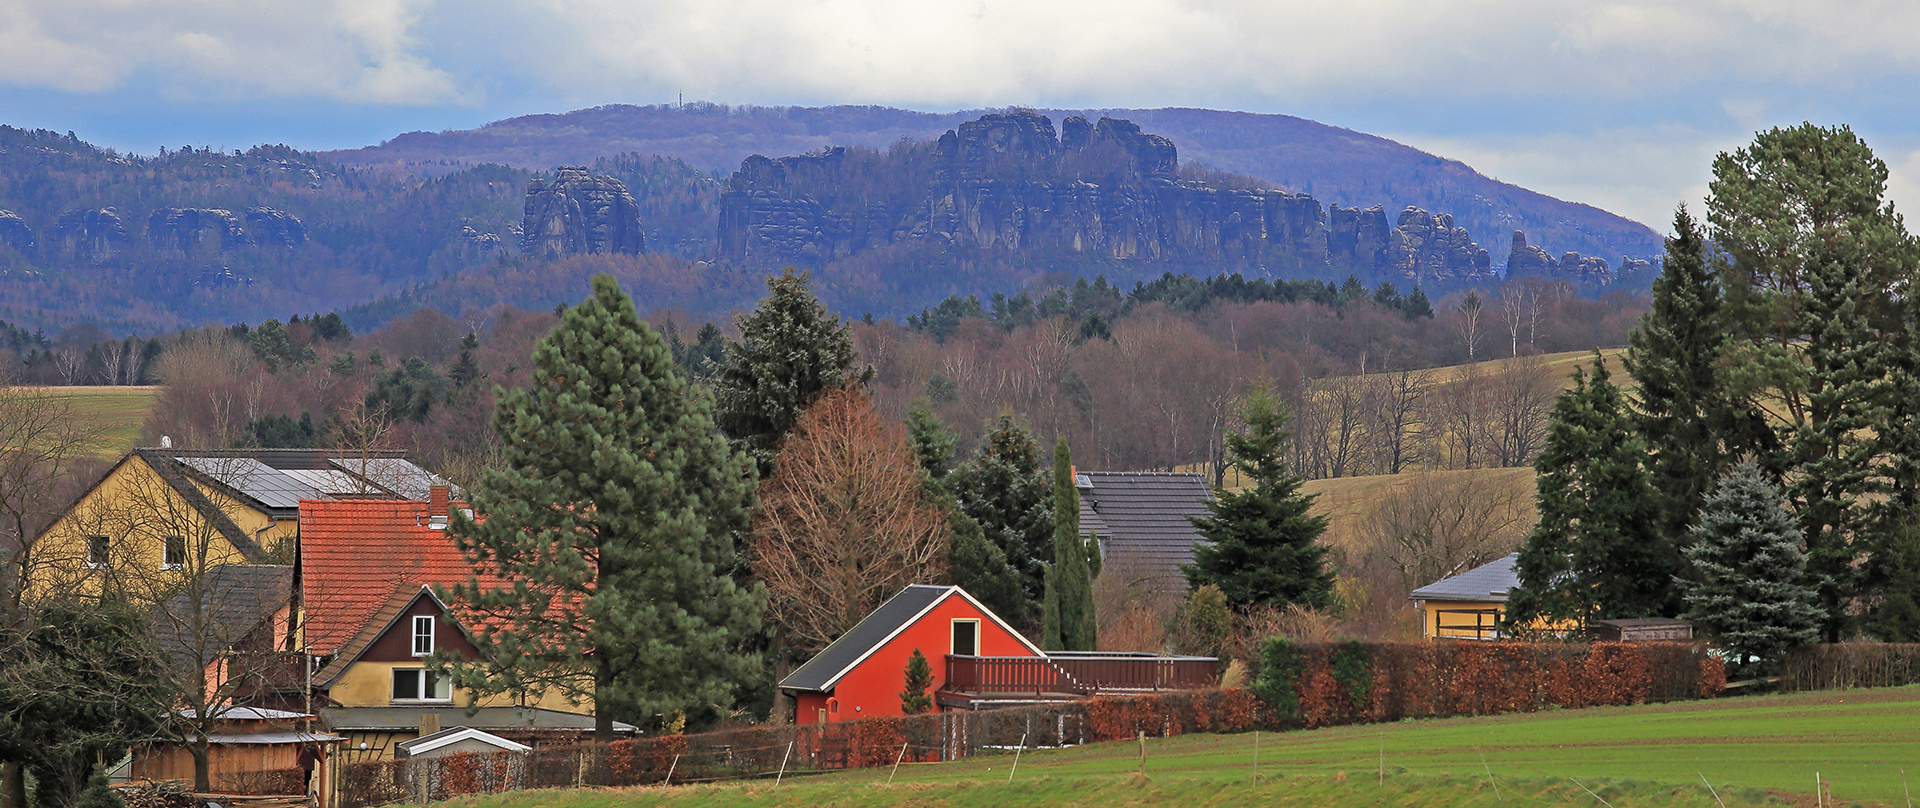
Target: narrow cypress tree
(791,350)
(1263,550)
(612,522)
(1749,597)
(1595,552)
(1069,614)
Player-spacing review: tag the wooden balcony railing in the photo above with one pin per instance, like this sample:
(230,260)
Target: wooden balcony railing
(1078,673)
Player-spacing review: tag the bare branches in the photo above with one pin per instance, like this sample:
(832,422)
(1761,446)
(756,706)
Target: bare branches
(844,523)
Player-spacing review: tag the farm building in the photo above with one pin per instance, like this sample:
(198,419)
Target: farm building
(976,659)
(1469,605)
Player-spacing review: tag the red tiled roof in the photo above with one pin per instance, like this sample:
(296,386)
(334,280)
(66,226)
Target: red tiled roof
(354,555)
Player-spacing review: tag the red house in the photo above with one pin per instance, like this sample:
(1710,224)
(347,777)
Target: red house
(977,661)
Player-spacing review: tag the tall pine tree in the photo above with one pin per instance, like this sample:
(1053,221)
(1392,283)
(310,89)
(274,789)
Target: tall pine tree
(1069,623)
(612,522)
(791,350)
(1005,490)
(1262,549)
(1681,408)
(1749,597)
(1596,552)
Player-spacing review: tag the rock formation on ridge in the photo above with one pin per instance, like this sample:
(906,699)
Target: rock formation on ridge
(89,234)
(579,212)
(14,232)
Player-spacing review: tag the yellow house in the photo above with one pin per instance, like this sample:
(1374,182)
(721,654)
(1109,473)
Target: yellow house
(1470,605)
(159,514)
(372,620)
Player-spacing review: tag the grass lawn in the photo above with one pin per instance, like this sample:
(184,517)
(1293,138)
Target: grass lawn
(117,411)
(1650,755)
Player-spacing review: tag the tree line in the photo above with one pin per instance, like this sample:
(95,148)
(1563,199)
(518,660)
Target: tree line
(1762,478)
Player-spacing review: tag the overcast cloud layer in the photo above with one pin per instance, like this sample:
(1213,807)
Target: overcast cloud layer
(1620,104)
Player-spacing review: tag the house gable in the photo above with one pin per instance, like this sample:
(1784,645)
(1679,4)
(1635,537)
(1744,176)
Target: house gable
(878,629)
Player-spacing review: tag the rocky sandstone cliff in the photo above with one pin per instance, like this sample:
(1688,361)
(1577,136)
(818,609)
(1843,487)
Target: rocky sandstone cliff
(89,234)
(1006,183)
(14,232)
(1526,259)
(579,212)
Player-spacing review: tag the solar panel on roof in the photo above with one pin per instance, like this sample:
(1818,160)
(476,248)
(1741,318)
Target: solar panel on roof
(332,481)
(256,480)
(395,474)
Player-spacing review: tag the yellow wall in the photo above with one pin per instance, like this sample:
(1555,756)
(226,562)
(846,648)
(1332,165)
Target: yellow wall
(135,509)
(370,684)
(1430,610)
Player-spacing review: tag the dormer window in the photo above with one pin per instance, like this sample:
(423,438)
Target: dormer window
(422,635)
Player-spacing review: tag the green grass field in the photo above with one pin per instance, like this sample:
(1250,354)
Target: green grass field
(118,412)
(1649,755)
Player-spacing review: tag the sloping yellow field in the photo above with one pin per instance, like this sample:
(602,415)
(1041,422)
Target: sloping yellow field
(118,412)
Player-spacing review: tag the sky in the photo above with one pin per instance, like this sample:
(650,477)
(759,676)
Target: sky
(1619,104)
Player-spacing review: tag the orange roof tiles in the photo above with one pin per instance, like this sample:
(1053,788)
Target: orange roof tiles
(355,553)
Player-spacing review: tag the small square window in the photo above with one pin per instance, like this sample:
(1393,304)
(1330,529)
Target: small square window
(97,547)
(175,555)
(422,635)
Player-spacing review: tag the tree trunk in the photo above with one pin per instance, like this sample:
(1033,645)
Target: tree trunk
(13,785)
(202,781)
(602,719)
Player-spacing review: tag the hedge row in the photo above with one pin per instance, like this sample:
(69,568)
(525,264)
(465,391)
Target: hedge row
(1323,684)
(1853,664)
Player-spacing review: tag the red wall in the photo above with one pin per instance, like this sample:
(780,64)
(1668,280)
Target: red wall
(873,686)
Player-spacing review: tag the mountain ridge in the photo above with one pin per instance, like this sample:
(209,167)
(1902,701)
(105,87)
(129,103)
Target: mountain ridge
(1337,165)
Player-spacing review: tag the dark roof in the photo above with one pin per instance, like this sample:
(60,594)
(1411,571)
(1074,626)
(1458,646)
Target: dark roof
(1141,517)
(276,480)
(234,600)
(825,668)
(1642,622)
(1487,583)
(490,719)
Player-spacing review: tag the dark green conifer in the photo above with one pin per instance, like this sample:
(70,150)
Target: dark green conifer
(1068,615)
(791,350)
(1263,549)
(973,562)
(613,521)
(1005,490)
(1596,552)
(914,699)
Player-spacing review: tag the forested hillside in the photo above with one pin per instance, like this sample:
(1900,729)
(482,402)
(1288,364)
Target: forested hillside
(1339,166)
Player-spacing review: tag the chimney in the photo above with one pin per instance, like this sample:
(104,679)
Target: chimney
(437,500)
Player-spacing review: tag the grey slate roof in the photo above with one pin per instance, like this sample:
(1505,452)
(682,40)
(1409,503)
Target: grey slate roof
(1141,517)
(825,668)
(234,599)
(388,719)
(1487,583)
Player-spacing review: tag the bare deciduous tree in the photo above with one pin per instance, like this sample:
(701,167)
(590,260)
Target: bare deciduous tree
(844,523)
(1440,523)
(1470,311)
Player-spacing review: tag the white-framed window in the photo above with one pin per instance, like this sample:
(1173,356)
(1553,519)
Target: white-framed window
(422,635)
(420,684)
(97,551)
(966,638)
(173,553)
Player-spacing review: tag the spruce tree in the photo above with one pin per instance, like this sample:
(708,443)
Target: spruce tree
(973,562)
(1005,490)
(791,350)
(1681,408)
(612,522)
(1896,615)
(1261,545)
(919,676)
(1749,597)
(1596,551)
(1068,615)
(1833,467)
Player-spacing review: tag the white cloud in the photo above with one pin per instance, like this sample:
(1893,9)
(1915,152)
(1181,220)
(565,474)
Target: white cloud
(358,51)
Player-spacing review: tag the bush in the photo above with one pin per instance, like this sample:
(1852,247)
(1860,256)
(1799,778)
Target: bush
(1277,686)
